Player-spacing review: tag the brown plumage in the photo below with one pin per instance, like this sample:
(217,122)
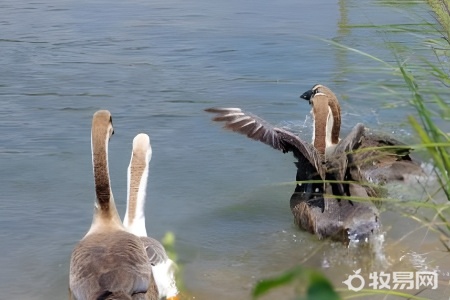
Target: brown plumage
(325,217)
(108,263)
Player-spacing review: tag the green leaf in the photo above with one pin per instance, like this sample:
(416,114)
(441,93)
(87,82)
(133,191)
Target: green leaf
(320,288)
(268,284)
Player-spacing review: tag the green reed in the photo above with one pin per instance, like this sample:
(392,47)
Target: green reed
(435,140)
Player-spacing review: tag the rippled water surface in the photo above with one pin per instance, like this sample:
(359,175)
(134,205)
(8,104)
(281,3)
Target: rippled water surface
(156,65)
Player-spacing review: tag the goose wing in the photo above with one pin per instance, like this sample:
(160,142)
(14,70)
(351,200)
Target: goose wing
(383,159)
(372,138)
(155,251)
(260,130)
(340,161)
(375,141)
(352,141)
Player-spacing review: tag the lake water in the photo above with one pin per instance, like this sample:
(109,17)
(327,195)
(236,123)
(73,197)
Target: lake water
(156,65)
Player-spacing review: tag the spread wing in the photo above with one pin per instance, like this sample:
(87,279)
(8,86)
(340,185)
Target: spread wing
(260,130)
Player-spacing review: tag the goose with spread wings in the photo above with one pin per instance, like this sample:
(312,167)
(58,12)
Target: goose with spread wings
(319,206)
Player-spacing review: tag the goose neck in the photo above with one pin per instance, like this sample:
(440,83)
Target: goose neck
(105,206)
(137,185)
(327,123)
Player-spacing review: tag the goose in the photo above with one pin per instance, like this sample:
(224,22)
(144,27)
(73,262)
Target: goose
(377,165)
(134,221)
(316,206)
(108,262)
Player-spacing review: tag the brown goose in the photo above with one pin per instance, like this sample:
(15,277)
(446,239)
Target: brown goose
(313,205)
(163,267)
(109,262)
(376,165)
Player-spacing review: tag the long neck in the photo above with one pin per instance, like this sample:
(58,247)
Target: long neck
(327,123)
(105,208)
(134,219)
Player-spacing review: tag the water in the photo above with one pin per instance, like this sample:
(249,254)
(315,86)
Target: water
(156,65)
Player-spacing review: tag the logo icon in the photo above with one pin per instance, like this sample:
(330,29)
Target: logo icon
(396,280)
(349,281)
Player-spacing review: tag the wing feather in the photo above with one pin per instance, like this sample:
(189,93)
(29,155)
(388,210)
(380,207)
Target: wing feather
(258,129)
(155,250)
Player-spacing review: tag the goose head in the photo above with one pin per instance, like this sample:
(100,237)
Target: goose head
(141,155)
(326,113)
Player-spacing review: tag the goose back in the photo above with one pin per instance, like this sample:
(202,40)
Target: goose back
(108,264)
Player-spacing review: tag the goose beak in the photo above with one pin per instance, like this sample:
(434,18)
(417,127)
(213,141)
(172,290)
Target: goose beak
(307,95)
(174,298)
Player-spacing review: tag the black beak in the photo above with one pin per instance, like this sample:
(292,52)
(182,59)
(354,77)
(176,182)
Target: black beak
(307,95)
